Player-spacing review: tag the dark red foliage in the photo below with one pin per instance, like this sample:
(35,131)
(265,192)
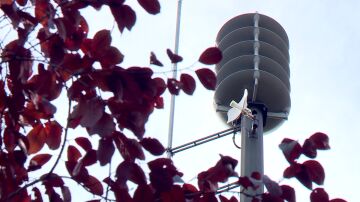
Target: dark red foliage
(124,15)
(104,127)
(84,143)
(211,56)
(94,185)
(128,170)
(88,112)
(338,200)
(288,193)
(207,78)
(245,182)
(174,58)
(130,149)
(175,194)
(89,158)
(153,146)
(105,151)
(188,84)
(36,138)
(53,132)
(174,86)
(320,140)
(315,171)
(224,168)
(309,149)
(272,187)
(144,193)
(151,6)
(45,84)
(37,161)
(44,12)
(154,60)
(319,195)
(291,149)
(162,172)
(256,175)
(223,199)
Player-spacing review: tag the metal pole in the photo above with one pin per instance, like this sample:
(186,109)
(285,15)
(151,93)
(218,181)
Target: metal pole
(174,69)
(252,154)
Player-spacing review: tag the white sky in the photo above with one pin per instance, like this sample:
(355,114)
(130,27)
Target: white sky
(324,62)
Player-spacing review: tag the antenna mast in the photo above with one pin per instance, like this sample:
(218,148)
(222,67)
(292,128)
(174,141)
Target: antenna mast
(174,70)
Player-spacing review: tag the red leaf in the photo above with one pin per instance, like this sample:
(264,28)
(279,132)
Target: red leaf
(173,57)
(94,185)
(101,41)
(134,149)
(151,6)
(110,57)
(37,138)
(88,111)
(90,158)
(84,143)
(37,193)
(128,170)
(320,140)
(211,56)
(291,149)
(160,86)
(153,146)
(175,194)
(37,161)
(288,193)
(162,174)
(224,199)
(272,187)
(53,134)
(154,60)
(256,175)
(309,149)
(159,103)
(188,83)
(144,193)
(337,200)
(130,149)
(304,178)
(266,197)
(104,127)
(315,171)
(73,154)
(66,193)
(245,182)
(319,195)
(292,170)
(207,78)
(105,151)
(189,188)
(44,12)
(174,86)
(52,180)
(124,15)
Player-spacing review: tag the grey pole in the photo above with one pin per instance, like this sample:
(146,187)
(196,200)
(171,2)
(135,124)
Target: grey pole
(252,154)
(174,69)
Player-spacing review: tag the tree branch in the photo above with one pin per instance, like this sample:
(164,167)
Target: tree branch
(65,138)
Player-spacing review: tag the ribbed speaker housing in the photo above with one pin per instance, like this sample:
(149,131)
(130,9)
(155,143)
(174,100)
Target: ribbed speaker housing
(256,57)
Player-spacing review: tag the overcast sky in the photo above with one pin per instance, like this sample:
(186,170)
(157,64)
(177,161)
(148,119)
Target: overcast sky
(324,65)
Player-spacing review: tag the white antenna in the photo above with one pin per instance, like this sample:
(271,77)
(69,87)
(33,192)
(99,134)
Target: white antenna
(174,69)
